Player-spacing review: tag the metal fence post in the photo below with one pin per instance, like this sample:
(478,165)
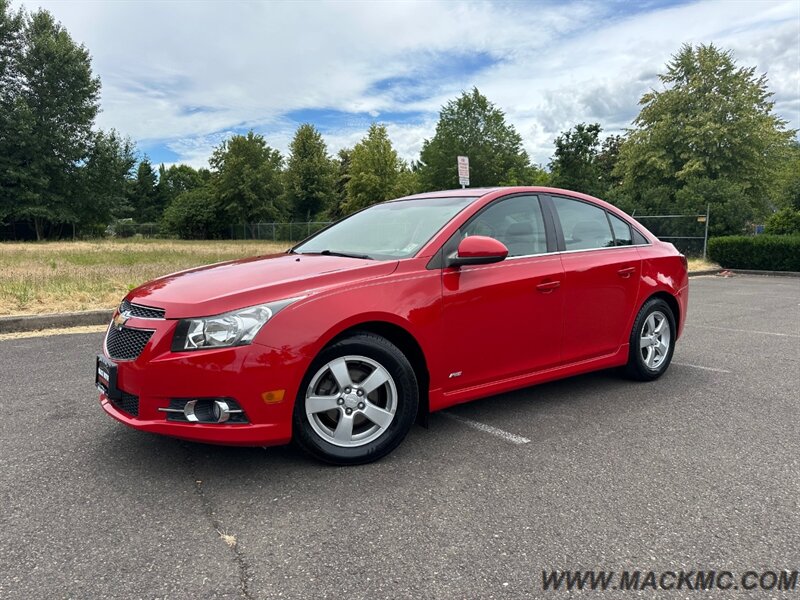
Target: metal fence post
(705,237)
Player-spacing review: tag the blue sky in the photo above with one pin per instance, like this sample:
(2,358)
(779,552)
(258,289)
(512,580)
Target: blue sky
(180,77)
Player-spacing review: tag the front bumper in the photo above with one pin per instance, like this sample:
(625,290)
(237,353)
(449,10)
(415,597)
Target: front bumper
(261,379)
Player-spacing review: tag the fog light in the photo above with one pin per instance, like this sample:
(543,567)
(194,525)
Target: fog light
(220,411)
(205,410)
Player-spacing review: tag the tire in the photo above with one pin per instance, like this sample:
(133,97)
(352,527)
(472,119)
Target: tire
(655,324)
(367,422)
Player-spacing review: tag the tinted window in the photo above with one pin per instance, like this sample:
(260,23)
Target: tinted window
(622,231)
(515,221)
(639,239)
(585,226)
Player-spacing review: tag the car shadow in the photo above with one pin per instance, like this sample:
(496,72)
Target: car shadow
(134,448)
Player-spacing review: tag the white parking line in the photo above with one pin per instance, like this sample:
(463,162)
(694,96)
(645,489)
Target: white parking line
(505,435)
(699,367)
(792,335)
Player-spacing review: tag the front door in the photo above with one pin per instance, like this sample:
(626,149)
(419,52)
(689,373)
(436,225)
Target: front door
(504,319)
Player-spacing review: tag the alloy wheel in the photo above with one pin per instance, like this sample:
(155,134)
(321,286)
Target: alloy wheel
(654,340)
(351,401)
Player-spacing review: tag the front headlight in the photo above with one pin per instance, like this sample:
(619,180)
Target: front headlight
(236,328)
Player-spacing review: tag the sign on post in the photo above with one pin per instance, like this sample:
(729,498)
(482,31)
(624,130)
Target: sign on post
(463,171)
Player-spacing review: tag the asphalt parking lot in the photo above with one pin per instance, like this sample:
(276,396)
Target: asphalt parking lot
(699,470)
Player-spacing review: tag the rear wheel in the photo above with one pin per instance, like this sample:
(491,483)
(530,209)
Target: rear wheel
(652,341)
(357,401)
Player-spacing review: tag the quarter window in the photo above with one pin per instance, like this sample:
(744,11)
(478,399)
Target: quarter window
(639,239)
(622,231)
(585,226)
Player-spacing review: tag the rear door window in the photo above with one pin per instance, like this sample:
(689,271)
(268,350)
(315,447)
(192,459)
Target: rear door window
(622,231)
(585,226)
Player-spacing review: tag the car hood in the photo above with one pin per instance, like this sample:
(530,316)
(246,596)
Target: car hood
(227,286)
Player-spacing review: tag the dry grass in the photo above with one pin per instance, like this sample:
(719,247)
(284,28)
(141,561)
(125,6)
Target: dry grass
(699,264)
(37,278)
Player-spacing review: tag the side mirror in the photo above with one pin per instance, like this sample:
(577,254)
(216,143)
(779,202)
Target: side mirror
(477,250)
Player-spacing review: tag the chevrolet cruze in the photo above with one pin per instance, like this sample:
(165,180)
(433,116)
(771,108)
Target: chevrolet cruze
(404,308)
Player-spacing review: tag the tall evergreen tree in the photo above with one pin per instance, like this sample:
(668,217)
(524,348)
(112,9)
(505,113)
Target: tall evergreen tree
(144,195)
(374,170)
(310,176)
(104,178)
(342,171)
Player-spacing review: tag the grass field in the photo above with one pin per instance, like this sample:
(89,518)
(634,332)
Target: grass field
(48,277)
(37,278)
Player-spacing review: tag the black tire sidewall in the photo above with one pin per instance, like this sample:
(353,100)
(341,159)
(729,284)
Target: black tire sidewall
(636,366)
(395,362)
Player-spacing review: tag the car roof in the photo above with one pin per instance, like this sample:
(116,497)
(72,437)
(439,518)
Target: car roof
(480,192)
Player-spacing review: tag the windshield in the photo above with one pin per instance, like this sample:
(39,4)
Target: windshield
(386,231)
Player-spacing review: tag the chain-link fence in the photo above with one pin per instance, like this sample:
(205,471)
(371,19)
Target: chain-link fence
(276,232)
(688,233)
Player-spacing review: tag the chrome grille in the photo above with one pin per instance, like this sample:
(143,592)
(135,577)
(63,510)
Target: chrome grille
(125,343)
(141,312)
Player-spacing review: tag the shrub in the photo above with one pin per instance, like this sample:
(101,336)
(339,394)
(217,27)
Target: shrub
(193,215)
(785,221)
(760,252)
(124,228)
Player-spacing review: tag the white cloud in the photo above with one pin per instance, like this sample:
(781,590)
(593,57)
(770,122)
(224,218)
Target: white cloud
(181,75)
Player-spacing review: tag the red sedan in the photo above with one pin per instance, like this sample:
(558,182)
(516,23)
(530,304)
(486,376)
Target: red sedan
(404,308)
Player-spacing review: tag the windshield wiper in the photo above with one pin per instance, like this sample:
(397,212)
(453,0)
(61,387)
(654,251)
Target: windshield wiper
(345,254)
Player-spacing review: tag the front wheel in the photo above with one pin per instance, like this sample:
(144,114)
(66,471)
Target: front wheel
(652,341)
(357,402)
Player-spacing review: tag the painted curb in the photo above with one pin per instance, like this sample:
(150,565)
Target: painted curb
(54,321)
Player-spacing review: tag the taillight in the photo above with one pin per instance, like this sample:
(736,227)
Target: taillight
(685,262)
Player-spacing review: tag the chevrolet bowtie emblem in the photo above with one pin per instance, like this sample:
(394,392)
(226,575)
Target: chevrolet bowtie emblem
(120,320)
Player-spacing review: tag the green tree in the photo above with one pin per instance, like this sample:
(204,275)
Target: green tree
(179,178)
(574,165)
(607,160)
(335,209)
(194,214)
(104,181)
(143,194)
(787,191)
(310,176)
(784,222)
(374,170)
(247,179)
(709,137)
(48,116)
(11,24)
(407,181)
(472,126)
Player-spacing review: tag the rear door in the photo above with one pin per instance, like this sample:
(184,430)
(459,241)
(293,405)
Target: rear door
(504,319)
(601,278)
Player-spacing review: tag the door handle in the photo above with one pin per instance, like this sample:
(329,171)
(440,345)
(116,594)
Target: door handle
(626,272)
(548,286)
